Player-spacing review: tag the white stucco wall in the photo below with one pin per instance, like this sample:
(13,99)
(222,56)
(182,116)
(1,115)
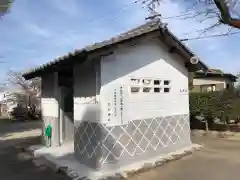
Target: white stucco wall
(149,60)
(49,101)
(212,80)
(84,91)
(50,106)
(130,127)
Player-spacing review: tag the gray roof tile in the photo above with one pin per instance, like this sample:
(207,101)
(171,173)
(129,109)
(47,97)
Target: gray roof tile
(146,28)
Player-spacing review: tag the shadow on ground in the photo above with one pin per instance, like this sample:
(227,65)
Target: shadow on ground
(17,164)
(7,126)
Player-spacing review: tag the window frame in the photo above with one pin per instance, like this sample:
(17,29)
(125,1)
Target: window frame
(141,85)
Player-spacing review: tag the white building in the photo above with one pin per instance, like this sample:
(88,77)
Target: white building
(126,97)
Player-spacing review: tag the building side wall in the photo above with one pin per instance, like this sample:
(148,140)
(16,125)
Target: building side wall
(50,107)
(220,82)
(147,60)
(143,125)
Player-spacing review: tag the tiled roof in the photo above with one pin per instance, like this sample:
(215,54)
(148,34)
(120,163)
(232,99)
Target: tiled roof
(136,32)
(215,73)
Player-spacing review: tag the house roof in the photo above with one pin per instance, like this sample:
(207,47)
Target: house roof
(215,73)
(151,26)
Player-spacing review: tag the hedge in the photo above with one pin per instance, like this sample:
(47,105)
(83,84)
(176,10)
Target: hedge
(215,104)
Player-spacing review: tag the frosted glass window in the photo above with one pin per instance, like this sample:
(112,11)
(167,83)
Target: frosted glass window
(146,89)
(146,81)
(135,81)
(135,89)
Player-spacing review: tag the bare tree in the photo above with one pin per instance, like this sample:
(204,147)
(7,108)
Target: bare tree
(26,92)
(226,11)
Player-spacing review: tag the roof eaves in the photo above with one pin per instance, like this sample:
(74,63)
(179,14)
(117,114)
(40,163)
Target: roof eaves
(205,74)
(182,45)
(29,74)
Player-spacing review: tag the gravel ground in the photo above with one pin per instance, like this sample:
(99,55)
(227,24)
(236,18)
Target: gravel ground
(218,160)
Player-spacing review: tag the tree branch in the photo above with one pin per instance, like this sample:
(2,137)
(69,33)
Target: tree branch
(210,10)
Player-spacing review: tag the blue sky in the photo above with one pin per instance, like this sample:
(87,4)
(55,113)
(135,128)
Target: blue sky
(35,33)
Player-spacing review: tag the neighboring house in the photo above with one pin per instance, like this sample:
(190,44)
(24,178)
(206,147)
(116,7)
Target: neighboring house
(126,97)
(212,80)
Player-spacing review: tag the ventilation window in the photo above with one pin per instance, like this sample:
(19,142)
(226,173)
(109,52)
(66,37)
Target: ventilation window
(146,81)
(166,82)
(156,90)
(135,89)
(166,90)
(156,82)
(146,89)
(135,81)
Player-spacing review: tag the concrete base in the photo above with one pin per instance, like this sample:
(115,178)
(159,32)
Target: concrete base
(63,159)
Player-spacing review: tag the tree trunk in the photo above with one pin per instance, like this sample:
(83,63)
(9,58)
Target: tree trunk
(206,125)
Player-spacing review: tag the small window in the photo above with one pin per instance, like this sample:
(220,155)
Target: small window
(146,81)
(156,82)
(146,89)
(135,89)
(166,82)
(207,88)
(135,81)
(156,90)
(166,90)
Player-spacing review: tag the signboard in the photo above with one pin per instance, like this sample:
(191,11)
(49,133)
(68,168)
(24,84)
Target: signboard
(115,106)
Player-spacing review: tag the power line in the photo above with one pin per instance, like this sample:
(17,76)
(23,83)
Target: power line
(113,15)
(108,17)
(210,36)
(116,12)
(176,16)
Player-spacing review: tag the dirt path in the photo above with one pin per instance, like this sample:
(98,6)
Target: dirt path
(219,160)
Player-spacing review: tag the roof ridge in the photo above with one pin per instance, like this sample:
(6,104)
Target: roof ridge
(145,26)
(148,27)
